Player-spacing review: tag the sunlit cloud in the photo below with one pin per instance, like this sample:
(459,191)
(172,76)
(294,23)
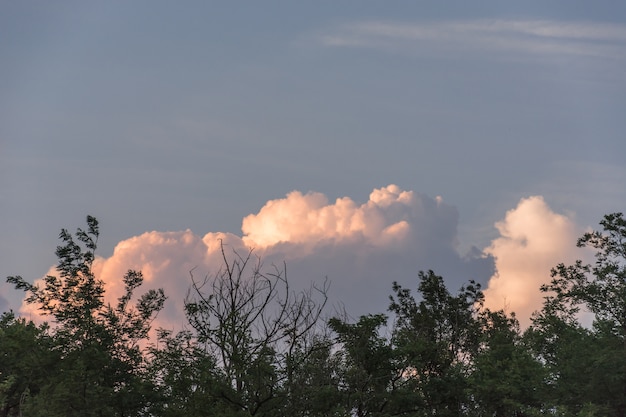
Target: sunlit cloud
(361,247)
(309,218)
(527,36)
(533,239)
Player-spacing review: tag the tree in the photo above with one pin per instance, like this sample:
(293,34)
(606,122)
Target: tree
(256,328)
(598,352)
(568,352)
(100,362)
(186,377)
(367,369)
(315,382)
(506,379)
(436,340)
(25,362)
(600,288)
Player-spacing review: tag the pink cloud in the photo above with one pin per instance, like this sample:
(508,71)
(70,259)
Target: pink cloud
(309,218)
(361,247)
(533,239)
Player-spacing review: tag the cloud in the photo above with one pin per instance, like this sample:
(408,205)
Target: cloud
(308,219)
(527,36)
(533,239)
(361,247)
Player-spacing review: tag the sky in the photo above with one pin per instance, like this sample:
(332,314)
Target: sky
(357,141)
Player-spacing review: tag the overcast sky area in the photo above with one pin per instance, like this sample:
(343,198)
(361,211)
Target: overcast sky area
(361,141)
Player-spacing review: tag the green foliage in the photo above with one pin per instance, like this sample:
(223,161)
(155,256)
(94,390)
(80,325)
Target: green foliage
(185,377)
(25,361)
(506,378)
(587,366)
(100,365)
(436,339)
(600,288)
(366,365)
(314,385)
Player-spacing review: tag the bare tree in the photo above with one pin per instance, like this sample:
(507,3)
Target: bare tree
(255,325)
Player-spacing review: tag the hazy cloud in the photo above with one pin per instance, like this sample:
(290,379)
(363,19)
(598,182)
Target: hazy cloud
(529,36)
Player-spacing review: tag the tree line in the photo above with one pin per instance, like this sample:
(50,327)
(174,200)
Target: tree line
(253,346)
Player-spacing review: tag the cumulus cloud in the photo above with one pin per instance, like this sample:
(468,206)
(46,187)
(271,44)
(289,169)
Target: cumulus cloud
(364,247)
(386,219)
(533,239)
(361,247)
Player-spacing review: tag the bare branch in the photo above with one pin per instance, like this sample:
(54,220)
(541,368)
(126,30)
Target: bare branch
(247,317)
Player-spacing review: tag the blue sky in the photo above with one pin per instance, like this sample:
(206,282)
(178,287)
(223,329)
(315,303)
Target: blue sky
(155,116)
